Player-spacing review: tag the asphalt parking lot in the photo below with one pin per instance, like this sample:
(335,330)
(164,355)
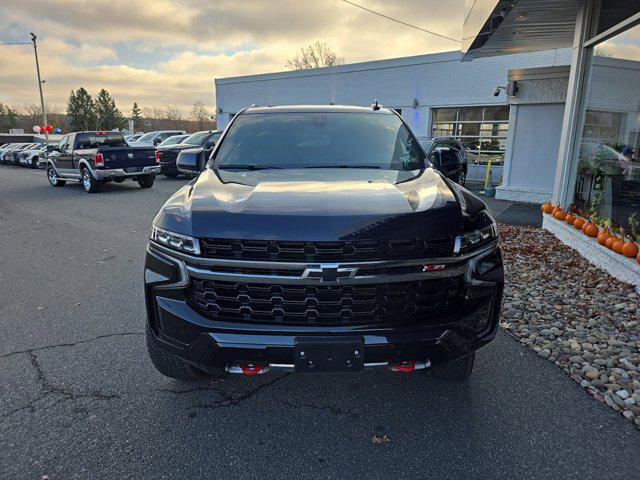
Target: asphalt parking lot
(80,399)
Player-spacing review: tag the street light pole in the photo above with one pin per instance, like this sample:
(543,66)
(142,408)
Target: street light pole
(44,113)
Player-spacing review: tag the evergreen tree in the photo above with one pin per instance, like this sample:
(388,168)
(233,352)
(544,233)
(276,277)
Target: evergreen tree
(81,113)
(136,116)
(108,115)
(8,118)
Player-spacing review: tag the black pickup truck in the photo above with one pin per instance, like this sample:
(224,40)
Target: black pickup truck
(320,239)
(96,157)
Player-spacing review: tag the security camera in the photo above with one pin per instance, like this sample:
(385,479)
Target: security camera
(496,91)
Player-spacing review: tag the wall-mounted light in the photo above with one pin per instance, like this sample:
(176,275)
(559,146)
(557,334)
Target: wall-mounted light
(219,109)
(415,103)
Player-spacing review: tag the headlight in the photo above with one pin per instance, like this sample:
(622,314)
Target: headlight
(177,241)
(472,240)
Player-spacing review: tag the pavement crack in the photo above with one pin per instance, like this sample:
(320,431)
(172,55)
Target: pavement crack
(324,408)
(69,344)
(229,400)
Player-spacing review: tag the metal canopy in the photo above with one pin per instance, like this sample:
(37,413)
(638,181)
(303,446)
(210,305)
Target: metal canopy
(518,26)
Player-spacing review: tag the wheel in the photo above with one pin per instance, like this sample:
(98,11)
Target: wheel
(462,178)
(34,162)
(170,175)
(90,184)
(459,369)
(54,179)
(173,366)
(146,181)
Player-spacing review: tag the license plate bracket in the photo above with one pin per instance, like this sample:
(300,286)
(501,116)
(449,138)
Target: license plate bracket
(329,355)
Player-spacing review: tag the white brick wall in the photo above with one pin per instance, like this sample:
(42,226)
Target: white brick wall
(439,79)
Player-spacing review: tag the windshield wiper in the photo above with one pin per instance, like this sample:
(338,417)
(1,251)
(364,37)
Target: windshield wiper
(248,166)
(344,166)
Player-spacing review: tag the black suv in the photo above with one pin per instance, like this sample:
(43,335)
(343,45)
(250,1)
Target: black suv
(448,156)
(319,239)
(198,143)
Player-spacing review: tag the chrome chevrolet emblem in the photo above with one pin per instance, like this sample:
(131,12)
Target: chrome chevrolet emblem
(330,274)
(130,155)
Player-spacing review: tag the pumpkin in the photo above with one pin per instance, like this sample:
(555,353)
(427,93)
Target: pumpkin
(602,236)
(544,205)
(560,215)
(547,208)
(584,227)
(610,241)
(638,258)
(617,246)
(570,218)
(555,210)
(579,223)
(591,230)
(630,249)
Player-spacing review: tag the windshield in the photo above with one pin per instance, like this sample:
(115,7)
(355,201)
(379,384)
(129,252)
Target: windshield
(174,140)
(147,137)
(319,140)
(198,138)
(93,140)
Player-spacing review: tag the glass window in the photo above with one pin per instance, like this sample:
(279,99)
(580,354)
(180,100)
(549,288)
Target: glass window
(608,170)
(482,130)
(319,140)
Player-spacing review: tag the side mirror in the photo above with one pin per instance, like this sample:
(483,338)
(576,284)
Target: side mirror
(188,164)
(434,158)
(156,141)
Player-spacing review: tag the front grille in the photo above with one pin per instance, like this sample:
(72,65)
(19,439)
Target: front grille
(167,156)
(339,251)
(423,301)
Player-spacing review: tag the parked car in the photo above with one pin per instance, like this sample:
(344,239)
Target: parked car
(153,139)
(6,151)
(31,157)
(198,146)
(319,239)
(133,137)
(11,157)
(96,157)
(448,156)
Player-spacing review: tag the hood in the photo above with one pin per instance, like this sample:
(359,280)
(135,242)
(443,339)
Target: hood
(310,204)
(142,144)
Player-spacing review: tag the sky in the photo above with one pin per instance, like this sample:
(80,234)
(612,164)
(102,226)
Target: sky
(168,52)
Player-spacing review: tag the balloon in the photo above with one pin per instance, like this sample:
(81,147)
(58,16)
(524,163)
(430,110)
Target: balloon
(57,130)
(49,128)
(36,129)
(41,129)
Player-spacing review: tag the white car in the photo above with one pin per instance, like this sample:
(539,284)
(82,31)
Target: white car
(10,148)
(153,139)
(31,157)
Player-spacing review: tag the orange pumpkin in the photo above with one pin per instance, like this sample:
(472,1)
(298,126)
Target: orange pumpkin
(638,258)
(584,227)
(544,205)
(579,223)
(617,246)
(610,241)
(591,230)
(560,215)
(570,218)
(555,210)
(547,208)
(630,249)
(602,236)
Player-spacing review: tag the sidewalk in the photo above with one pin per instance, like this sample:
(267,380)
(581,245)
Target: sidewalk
(511,213)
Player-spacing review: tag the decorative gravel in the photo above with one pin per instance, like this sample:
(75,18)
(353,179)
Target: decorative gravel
(575,315)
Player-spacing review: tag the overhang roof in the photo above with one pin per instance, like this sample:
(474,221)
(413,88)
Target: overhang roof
(502,27)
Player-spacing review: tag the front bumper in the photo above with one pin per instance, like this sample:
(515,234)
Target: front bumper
(109,173)
(212,343)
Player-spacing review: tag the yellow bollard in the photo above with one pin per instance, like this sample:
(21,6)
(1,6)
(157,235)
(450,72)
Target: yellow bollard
(486,177)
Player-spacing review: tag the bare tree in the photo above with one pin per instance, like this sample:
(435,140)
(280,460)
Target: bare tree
(602,51)
(200,115)
(316,55)
(172,114)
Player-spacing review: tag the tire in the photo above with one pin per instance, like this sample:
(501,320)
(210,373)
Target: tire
(89,183)
(173,366)
(34,162)
(457,370)
(54,179)
(146,181)
(462,178)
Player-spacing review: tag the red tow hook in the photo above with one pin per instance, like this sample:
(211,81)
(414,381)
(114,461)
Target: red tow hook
(251,368)
(403,367)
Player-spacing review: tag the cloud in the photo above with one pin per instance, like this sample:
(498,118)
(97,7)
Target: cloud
(160,52)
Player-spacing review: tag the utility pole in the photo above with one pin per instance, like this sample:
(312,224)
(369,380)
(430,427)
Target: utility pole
(44,113)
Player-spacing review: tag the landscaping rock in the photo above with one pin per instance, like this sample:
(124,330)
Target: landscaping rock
(573,314)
